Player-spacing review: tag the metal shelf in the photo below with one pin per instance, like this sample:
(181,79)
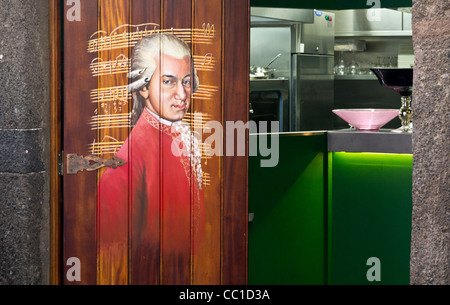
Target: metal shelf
(399,33)
(356,77)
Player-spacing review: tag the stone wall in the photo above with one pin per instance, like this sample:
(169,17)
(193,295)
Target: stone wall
(24,142)
(430,246)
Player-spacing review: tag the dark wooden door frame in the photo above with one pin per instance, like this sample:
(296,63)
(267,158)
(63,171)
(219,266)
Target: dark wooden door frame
(55,141)
(236,254)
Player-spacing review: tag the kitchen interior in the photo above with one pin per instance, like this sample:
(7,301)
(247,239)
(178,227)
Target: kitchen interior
(341,193)
(334,51)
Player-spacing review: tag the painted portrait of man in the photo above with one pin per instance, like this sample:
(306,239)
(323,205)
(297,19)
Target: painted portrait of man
(150,211)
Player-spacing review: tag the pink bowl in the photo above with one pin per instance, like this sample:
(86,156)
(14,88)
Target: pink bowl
(367,119)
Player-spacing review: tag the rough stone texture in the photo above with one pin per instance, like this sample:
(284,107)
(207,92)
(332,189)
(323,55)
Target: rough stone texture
(21,151)
(430,245)
(20,262)
(22,68)
(24,142)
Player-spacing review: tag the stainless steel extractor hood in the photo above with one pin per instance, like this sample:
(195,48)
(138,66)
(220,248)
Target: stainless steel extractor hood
(260,15)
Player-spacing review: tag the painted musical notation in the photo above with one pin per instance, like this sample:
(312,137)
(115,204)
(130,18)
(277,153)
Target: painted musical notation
(197,119)
(112,107)
(119,93)
(108,145)
(128,35)
(112,145)
(121,64)
(109,121)
(206,179)
(205,92)
(204,62)
(112,114)
(123,120)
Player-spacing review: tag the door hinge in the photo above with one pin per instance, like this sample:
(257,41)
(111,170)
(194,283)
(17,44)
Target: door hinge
(61,163)
(75,163)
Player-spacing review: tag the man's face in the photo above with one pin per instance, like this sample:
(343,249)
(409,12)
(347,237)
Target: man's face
(169,91)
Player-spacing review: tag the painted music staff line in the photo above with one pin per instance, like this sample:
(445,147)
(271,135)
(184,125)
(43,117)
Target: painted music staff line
(112,147)
(205,92)
(106,146)
(108,94)
(204,62)
(121,93)
(206,179)
(100,40)
(197,121)
(122,64)
(123,120)
(109,121)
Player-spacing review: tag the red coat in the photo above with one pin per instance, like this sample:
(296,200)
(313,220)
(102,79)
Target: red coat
(150,211)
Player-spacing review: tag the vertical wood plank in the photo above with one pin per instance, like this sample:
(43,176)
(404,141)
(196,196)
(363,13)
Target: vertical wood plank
(207,15)
(236,62)
(145,254)
(79,191)
(176,14)
(113,22)
(175,266)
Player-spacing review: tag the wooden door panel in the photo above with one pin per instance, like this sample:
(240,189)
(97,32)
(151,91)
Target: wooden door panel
(80,195)
(97,107)
(236,42)
(145,268)
(113,102)
(175,269)
(206,263)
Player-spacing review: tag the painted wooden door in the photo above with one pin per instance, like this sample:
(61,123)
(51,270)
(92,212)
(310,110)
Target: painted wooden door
(99,39)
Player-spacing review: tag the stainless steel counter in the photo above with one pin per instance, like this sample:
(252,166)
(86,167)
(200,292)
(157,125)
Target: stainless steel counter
(384,141)
(272,82)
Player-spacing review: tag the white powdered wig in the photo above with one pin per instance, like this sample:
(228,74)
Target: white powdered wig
(143,64)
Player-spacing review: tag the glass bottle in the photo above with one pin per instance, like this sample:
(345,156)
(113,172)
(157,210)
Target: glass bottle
(353,66)
(340,67)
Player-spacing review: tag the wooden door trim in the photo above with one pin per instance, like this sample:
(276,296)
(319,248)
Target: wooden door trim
(55,140)
(236,29)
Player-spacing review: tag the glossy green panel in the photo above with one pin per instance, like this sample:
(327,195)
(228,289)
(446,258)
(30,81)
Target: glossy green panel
(287,242)
(370,216)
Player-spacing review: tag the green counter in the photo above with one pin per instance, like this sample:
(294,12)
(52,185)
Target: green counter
(319,215)
(369,206)
(287,235)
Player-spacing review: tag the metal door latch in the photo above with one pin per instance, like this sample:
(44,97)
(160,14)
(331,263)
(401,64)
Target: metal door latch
(60,163)
(90,163)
